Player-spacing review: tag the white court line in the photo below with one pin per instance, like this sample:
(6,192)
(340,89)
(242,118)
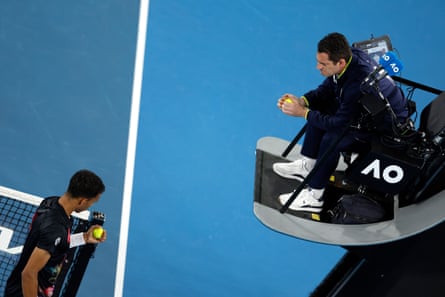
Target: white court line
(131,148)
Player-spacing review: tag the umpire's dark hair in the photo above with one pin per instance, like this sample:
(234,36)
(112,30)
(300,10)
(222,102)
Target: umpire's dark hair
(336,46)
(85,183)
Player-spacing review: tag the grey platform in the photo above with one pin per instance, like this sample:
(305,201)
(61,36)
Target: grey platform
(407,221)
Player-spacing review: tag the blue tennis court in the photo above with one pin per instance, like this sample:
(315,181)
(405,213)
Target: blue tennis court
(212,72)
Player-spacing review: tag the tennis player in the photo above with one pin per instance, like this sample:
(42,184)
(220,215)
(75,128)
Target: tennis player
(50,237)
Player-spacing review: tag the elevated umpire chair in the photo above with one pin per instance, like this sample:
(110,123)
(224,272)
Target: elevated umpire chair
(374,107)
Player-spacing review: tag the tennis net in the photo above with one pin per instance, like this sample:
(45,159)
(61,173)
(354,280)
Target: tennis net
(16,212)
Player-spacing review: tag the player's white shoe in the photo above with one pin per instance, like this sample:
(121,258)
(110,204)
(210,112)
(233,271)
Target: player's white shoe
(307,200)
(298,169)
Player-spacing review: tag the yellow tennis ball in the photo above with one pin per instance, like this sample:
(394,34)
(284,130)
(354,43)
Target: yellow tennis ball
(98,232)
(288,100)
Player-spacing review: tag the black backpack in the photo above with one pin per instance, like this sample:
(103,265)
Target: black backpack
(356,209)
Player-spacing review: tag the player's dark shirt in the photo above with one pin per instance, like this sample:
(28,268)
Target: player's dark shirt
(50,230)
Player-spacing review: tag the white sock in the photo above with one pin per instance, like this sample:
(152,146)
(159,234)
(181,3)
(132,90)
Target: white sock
(317,193)
(309,163)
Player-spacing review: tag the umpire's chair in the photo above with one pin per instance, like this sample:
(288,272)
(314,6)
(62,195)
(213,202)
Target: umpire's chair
(409,163)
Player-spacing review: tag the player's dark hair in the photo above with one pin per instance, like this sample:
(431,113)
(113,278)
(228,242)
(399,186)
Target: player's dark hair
(336,46)
(85,183)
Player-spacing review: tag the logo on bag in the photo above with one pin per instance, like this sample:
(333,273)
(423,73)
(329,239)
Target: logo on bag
(5,240)
(392,174)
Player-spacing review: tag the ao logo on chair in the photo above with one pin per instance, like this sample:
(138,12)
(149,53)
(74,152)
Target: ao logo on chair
(392,174)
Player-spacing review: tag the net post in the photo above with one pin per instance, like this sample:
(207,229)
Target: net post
(70,278)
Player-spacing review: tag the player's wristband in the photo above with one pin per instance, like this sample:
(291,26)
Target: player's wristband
(77,239)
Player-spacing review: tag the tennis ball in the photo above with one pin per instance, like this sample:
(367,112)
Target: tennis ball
(288,100)
(98,232)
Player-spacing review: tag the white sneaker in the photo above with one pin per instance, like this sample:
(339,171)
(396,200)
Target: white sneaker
(307,200)
(298,169)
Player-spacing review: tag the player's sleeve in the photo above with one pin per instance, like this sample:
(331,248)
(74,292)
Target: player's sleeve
(52,235)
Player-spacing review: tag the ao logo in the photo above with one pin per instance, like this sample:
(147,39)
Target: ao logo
(5,240)
(392,174)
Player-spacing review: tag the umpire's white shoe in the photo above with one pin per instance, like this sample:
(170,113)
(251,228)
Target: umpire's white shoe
(307,200)
(298,169)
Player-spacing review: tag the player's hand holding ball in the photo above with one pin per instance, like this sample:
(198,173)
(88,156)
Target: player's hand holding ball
(96,234)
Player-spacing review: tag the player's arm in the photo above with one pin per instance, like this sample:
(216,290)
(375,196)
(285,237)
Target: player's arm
(36,262)
(95,234)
